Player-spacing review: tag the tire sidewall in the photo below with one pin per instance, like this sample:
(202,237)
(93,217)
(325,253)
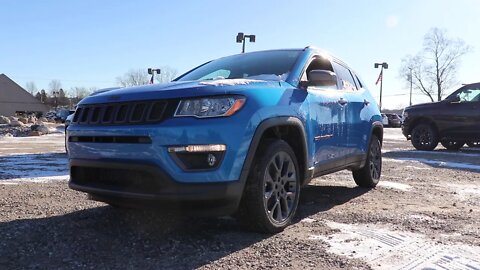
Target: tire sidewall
(263,161)
(432,134)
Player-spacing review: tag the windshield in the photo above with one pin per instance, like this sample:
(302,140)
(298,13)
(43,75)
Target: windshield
(267,65)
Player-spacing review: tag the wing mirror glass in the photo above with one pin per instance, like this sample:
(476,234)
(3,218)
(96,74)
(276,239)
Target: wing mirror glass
(319,77)
(454,99)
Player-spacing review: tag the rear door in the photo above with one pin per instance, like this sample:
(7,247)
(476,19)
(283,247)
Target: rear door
(355,129)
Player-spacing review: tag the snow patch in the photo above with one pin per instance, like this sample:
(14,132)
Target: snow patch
(465,191)
(394,137)
(394,185)
(32,167)
(420,217)
(417,168)
(308,220)
(469,153)
(42,179)
(383,248)
(445,164)
(8,183)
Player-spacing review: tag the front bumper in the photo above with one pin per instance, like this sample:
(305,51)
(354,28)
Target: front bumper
(406,130)
(149,144)
(129,180)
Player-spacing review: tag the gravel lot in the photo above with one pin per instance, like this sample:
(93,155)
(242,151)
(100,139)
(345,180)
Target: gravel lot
(425,213)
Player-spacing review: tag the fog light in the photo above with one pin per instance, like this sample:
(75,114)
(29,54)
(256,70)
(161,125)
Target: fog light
(211,159)
(198,157)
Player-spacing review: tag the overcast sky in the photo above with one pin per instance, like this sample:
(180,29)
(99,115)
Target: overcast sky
(89,43)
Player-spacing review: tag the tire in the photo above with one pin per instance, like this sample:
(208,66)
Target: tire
(272,191)
(473,144)
(453,145)
(424,137)
(369,175)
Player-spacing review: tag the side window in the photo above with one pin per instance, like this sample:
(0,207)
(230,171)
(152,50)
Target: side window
(469,95)
(317,63)
(344,77)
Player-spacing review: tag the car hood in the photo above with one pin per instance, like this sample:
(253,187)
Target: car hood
(423,106)
(181,89)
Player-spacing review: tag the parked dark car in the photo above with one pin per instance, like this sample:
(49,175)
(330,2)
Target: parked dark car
(394,120)
(452,122)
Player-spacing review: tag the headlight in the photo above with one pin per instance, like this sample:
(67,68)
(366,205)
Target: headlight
(209,107)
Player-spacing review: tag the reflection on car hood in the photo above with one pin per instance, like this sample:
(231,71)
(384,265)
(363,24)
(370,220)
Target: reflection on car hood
(180,89)
(423,105)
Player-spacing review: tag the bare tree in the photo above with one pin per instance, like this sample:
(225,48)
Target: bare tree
(31,87)
(54,85)
(134,77)
(433,70)
(167,74)
(80,92)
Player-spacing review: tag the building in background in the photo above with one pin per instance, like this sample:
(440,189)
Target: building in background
(13,99)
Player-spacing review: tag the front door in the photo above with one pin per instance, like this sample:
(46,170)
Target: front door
(461,118)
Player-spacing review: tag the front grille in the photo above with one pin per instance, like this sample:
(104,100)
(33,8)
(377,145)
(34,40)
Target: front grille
(129,113)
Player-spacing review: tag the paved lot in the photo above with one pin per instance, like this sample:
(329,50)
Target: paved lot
(425,213)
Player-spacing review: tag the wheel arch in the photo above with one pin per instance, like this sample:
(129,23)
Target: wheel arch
(377,130)
(289,129)
(422,120)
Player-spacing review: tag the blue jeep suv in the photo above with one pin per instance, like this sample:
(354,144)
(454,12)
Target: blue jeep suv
(240,134)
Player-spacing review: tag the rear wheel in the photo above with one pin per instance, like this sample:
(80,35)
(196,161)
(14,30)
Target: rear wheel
(369,175)
(424,137)
(272,190)
(453,145)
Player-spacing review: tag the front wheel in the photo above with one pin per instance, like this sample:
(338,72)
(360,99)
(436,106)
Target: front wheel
(424,137)
(369,175)
(272,190)
(453,145)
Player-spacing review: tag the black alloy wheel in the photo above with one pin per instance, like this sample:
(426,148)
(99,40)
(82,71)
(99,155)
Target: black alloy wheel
(453,145)
(369,175)
(424,137)
(272,191)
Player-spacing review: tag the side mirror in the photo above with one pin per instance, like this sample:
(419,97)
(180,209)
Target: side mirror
(455,99)
(320,77)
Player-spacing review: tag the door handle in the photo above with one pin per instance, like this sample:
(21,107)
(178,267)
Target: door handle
(342,101)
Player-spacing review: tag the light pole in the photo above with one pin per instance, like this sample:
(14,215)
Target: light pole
(380,78)
(152,71)
(241,39)
(411,84)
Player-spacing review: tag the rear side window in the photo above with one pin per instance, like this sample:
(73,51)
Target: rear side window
(344,77)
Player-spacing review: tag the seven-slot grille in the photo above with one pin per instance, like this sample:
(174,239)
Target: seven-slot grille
(139,112)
